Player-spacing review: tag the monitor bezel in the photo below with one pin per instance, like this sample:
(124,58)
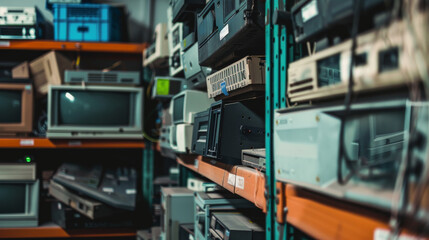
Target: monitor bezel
(30,217)
(82,130)
(26,124)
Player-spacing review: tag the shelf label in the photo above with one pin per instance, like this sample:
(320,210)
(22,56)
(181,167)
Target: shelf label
(384,234)
(75,143)
(196,162)
(108,190)
(26,142)
(309,11)
(231,179)
(130,191)
(4,44)
(224,32)
(239,182)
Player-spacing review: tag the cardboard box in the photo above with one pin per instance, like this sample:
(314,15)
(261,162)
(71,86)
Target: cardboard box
(21,71)
(49,69)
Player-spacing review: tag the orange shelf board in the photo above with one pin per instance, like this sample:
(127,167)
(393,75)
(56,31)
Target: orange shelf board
(326,218)
(244,181)
(54,231)
(134,48)
(48,143)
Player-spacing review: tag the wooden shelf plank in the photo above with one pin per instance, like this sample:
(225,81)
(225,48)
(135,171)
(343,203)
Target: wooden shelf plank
(48,143)
(252,182)
(41,45)
(51,230)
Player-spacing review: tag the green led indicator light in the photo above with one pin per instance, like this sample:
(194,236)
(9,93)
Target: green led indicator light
(28,159)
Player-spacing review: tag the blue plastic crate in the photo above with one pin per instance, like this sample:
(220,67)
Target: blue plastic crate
(87,22)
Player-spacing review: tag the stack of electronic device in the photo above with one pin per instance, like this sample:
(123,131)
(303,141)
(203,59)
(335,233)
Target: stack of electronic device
(364,150)
(88,103)
(104,196)
(23,23)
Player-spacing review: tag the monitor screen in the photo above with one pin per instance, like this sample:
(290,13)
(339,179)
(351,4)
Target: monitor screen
(13,198)
(10,106)
(95,108)
(178,106)
(389,122)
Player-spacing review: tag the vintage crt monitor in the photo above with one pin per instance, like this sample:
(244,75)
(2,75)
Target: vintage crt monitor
(237,226)
(164,88)
(194,73)
(185,105)
(235,126)
(229,30)
(248,71)
(177,206)
(49,69)
(380,64)
(101,77)
(306,149)
(16,107)
(156,55)
(19,191)
(175,36)
(95,112)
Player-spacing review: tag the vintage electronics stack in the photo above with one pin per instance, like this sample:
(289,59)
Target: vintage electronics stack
(95,112)
(177,207)
(22,23)
(244,76)
(16,107)
(254,158)
(375,136)
(185,105)
(175,36)
(234,126)
(167,129)
(236,225)
(100,77)
(19,191)
(230,30)
(208,202)
(111,185)
(49,70)
(87,22)
(157,54)
(84,205)
(194,73)
(164,88)
(381,65)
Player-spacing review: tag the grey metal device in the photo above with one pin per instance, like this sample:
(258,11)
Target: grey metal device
(19,191)
(86,206)
(254,158)
(306,148)
(177,206)
(95,112)
(100,77)
(208,202)
(235,226)
(194,73)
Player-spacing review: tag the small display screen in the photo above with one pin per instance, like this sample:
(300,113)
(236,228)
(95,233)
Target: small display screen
(328,71)
(95,108)
(13,198)
(178,108)
(389,122)
(10,106)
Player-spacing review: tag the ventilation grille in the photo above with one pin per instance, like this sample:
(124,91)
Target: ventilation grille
(249,70)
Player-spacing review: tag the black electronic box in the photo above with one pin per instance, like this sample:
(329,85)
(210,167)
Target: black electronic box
(199,136)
